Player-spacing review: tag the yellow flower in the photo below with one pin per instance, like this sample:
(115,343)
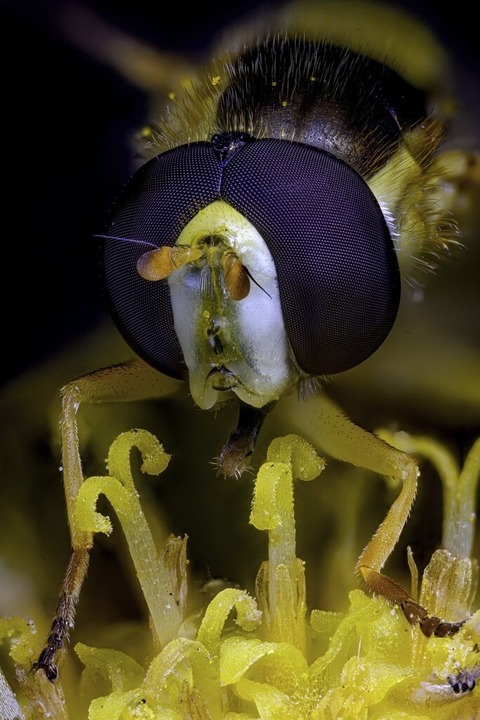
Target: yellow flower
(245,657)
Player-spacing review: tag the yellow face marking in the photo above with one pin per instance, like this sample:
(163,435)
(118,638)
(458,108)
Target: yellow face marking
(227,312)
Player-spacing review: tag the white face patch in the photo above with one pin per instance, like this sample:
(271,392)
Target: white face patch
(230,345)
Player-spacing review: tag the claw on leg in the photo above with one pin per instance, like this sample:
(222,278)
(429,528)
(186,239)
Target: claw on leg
(415,613)
(234,458)
(64,617)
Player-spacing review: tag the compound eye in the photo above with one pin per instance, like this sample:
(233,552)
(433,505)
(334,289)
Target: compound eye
(160,199)
(336,264)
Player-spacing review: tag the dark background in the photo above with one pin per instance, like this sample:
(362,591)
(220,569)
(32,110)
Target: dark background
(65,125)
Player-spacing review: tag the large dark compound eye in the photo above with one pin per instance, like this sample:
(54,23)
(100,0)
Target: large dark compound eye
(336,266)
(161,198)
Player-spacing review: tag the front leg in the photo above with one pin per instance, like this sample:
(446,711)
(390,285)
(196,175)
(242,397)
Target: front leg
(129,381)
(324,425)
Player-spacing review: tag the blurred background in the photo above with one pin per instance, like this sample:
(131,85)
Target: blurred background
(67,120)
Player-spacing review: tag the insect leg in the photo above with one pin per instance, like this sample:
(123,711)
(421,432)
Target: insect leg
(322,423)
(235,454)
(129,381)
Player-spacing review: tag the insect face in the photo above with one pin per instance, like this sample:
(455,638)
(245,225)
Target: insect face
(227,317)
(251,263)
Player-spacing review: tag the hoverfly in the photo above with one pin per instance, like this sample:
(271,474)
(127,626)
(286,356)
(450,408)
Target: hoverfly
(263,246)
